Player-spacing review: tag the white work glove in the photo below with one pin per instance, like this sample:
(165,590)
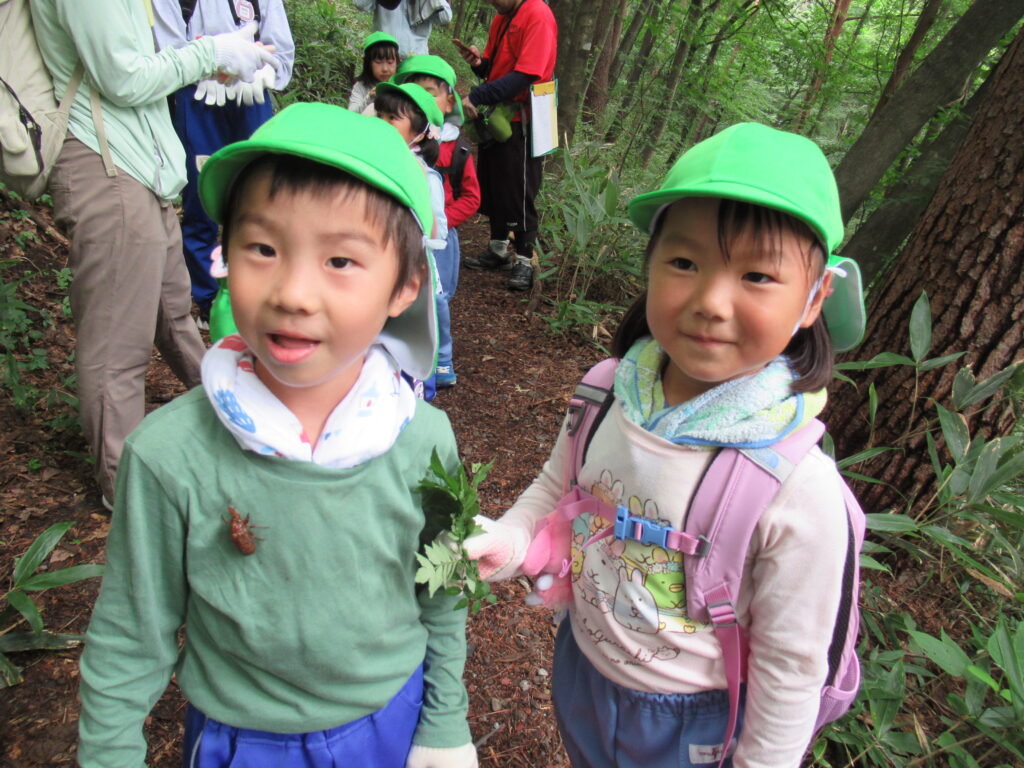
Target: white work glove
(238,56)
(211,92)
(499,550)
(254,92)
(442,757)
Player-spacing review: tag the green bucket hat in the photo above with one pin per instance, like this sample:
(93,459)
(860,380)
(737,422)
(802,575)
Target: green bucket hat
(420,97)
(434,66)
(378,37)
(335,136)
(764,166)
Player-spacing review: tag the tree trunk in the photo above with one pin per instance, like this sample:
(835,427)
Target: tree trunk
(906,57)
(967,252)
(633,85)
(839,11)
(935,83)
(606,40)
(643,11)
(889,225)
(576,19)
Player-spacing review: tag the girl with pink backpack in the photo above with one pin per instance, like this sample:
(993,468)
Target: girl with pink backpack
(704,546)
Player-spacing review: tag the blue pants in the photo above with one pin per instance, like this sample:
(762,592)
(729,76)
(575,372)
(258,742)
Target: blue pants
(203,130)
(379,740)
(447,260)
(605,725)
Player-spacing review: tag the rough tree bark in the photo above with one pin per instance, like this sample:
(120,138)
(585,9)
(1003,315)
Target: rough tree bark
(576,20)
(936,82)
(967,251)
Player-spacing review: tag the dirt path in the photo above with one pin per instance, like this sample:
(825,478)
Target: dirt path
(514,380)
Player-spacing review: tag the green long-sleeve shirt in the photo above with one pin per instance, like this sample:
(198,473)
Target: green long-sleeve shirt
(320,626)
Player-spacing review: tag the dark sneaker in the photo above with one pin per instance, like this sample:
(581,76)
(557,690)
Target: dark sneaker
(522,275)
(203,321)
(489,260)
(444,376)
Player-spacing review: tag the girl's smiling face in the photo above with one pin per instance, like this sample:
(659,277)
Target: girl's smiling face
(402,123)
(312,284)
(720,319)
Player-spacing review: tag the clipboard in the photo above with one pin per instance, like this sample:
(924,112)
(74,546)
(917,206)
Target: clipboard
(543,118)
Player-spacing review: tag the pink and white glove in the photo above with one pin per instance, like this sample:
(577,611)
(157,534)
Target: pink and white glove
(442,757)
(499,550)
(237,56)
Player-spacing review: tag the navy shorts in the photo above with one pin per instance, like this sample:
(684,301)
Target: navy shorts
(379,740)
(606,725)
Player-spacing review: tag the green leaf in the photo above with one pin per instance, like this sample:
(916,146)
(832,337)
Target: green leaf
(62,577)
(892,523)
(872,403)
(963,383)
(23,604)
(995,467)
(14,642)
(1004,654)
(955,432)
(36,553)
(985,389)
(944,652)
(881,360)
(868,563)
(938,362)
(864,455)
(9,674)
(920,328)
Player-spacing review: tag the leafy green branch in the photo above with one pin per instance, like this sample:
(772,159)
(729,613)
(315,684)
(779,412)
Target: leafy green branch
(450,502)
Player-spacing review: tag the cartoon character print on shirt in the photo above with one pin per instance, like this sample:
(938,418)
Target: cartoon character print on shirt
(642,586)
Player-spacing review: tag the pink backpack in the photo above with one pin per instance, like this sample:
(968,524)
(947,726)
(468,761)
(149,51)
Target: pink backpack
(725,509)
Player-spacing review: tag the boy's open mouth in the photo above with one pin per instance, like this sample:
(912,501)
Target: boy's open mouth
(290,349)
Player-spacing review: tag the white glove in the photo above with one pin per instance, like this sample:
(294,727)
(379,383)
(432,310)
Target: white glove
(441,757)
(499,550)
(238,56)
(253,93)
(212,92)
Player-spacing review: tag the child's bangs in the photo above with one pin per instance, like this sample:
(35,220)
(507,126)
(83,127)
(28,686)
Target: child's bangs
(382,52)
(400,105)
(766,227)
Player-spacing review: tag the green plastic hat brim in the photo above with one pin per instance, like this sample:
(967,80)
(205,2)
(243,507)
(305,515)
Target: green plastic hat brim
(764,166)
(433,66)
(378,37)
(845,315)
(336,137)
(420,97)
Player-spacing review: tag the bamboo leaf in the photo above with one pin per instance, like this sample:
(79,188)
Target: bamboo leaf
(954,432)
(985,389)
(37,552)
(944,652)
(864,455)
(891,523)
(9,674)
(64,576)
(920,328)
(938,362)
(23,604)
(14,642)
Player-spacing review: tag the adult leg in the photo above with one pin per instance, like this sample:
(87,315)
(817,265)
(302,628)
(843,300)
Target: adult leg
(491,173)
(119,248)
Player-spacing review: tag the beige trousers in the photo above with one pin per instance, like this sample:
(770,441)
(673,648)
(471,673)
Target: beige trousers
(130,288)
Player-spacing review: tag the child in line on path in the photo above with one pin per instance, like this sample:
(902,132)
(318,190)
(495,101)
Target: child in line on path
(380,60)
(728,346)
(274,512)
(461,191)
(415,115)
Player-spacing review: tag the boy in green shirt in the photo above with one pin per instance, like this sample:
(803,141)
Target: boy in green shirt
(274,511)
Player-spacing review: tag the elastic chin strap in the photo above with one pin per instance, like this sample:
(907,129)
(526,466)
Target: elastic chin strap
(838,271)
(430,132)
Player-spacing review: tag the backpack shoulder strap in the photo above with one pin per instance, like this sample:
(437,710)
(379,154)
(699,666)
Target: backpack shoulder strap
(592,398)
(456,166)
(725,509)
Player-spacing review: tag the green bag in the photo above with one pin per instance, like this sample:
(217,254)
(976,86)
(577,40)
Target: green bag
(492,123)
(222,322)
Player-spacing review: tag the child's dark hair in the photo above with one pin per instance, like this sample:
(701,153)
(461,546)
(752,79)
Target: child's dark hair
(420,77)
(810,349)
(382,50)
(296,174)
(397,103)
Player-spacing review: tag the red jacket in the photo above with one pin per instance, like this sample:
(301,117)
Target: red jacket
(457,210)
